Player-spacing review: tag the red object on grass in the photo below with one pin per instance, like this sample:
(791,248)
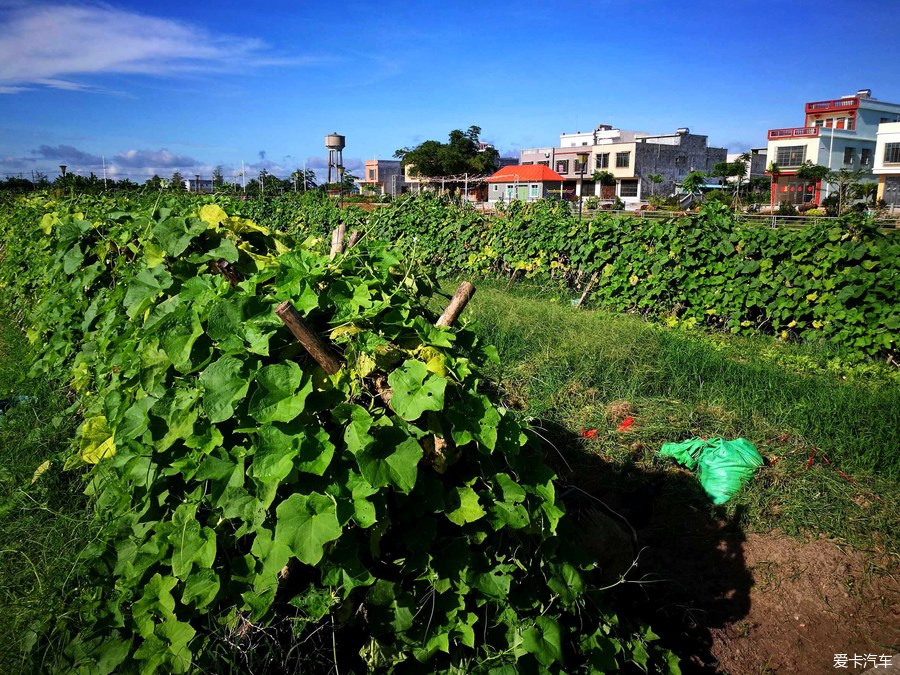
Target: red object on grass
(626,424)
(590,433)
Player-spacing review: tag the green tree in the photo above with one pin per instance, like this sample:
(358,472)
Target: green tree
(694,181)
(461,154)
(846,181)
(303,180)
(218,178)
(155,183)
(655,179)
(176,183)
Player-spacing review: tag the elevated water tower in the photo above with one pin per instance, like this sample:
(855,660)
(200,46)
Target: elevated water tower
(335,144)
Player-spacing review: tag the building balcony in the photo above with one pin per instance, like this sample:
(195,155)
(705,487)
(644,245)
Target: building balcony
(795,132)
(833,105)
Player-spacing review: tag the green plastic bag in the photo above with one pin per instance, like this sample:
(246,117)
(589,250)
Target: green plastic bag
(724,466)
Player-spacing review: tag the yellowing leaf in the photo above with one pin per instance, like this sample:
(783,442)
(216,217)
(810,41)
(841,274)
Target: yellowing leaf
(792,324)
(96,440)
(633,279)
(38,472)
(261,261)
(434,360)
(812,297)
(47,223)
(345,330)
(365,364)
(818,324)
(213,214)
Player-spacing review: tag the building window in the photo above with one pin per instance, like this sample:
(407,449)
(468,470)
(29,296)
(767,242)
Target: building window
(850,124)
(579,166)
(623,159)
(790,155)
(892,153)
(545,163)
(535,191)
(628,188)
(849,155)
(562,166)
(820,123)
(371,174)
(865,156)
(603,160)
(496,188)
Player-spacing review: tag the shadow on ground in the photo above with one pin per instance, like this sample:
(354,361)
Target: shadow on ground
(691,577)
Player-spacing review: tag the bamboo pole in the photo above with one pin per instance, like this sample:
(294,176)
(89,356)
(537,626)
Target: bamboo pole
(355,236)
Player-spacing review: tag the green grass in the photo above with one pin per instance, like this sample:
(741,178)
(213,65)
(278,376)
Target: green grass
(44,522)
(569,368)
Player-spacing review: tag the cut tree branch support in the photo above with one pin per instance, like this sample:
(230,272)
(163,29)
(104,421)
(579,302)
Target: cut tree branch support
(337,240)
(460,299)
(320,350)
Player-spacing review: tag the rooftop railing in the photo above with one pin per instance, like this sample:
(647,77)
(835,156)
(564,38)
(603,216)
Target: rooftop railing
(794,132)
(834,104)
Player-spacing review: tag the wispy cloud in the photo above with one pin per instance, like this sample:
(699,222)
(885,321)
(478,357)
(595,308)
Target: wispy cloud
(64,46)
(140,164)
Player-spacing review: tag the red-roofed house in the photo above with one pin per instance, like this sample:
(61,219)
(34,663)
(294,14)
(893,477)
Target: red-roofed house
(526,183)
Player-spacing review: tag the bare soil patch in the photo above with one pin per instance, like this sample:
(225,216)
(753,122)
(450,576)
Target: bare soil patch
(742,603)
(810,601)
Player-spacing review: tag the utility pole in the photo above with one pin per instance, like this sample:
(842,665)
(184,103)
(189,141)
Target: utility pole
(103,158)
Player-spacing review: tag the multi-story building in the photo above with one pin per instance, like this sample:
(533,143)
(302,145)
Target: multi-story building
(837,134)
(756,167)
(384,176)
(887,163)
(630,156)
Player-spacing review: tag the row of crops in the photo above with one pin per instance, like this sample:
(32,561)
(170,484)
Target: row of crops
(260,511)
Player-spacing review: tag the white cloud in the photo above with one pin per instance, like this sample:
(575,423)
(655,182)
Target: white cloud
(150,158)
(56,45)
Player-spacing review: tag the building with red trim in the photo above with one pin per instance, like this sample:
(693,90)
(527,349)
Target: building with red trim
(527,183)
(836,133)
(631,157)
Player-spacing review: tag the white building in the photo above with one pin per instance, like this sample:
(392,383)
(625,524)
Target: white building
(887,163)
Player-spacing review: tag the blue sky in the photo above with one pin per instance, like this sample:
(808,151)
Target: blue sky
(155,87)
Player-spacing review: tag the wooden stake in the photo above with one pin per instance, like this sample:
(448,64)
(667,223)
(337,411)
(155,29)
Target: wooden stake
(316,346)
(587,289)
(337,240)
(460,299)
(355,236)
(226,269)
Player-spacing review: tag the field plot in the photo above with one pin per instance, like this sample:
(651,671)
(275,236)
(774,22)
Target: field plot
(239,450)
(803,563)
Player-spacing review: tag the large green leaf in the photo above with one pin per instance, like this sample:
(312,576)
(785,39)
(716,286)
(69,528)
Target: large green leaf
(225,382)
(385,454)
(305,524)
(279,396)
(415,390)
(544,640)
(463,506)
(145,288)
(177,339)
